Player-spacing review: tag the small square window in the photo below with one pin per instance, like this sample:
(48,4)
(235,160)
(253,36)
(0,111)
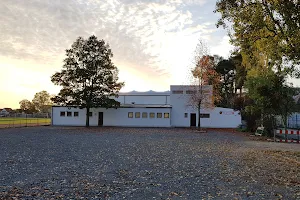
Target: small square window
(69,114)
(137,115)
(185,115)
(152,115)
(166,115)
(144,115)
(159,115)
(130,114)
(90,114)
(62,114)
(76,114)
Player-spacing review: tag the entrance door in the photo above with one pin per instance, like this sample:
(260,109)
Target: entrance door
(100,119)
(193,119)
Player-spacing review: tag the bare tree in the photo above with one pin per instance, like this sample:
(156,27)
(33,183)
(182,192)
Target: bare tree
(203,78)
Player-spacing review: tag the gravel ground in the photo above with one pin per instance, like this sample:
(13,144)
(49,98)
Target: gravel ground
(144,163)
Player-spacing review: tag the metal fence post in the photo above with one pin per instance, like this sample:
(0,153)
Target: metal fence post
(285,136)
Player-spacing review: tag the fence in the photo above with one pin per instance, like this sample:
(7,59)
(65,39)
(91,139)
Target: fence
(293,121)
(24,120)
(287,135)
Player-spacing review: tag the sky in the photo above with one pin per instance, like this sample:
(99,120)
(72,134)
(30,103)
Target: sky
(153,41)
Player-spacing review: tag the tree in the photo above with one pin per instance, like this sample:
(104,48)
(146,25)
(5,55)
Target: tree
(240,71)
(262,26)
(42,101)
(226,70)
(203,75)
(27,106)
(233,75)
(271,94)
(88,78)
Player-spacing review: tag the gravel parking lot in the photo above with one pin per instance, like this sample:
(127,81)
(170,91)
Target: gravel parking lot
(144,163)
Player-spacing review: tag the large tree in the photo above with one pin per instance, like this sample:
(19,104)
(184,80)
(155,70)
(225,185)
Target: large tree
(27,106)
(240,72)
(88,78)
(42,101)
(233,75)
(226,70)
(269,27)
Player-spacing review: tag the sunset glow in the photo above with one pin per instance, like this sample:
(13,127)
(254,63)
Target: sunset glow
(152,41)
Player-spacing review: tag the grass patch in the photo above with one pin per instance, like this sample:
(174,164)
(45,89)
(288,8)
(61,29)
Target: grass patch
(7,120)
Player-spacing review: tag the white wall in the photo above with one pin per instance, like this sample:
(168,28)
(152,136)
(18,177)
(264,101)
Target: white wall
(112,117)
(69,121)
(219,118)
(179,102)
(180,105)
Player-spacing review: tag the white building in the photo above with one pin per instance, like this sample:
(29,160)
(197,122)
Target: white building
(151,109)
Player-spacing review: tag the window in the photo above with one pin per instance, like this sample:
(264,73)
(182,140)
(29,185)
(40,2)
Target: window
(152,115)
(144,115)
(204,115)
(206,91)
(177,92)
(69,114)
(90,114)
(166,115)
(130,114)
(159,115)
(62,114)
(76,114)
(185,115)
(190,92)
(137,115)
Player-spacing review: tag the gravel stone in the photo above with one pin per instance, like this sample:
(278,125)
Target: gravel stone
(144,163)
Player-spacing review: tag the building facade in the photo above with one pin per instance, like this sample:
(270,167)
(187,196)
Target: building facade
(153,109)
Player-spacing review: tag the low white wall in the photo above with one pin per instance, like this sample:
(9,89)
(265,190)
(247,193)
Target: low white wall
(228,119)
(224,118)
(112,117)
(69,121)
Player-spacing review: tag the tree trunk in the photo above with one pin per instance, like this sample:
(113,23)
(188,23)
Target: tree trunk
(87,122)
(199,112)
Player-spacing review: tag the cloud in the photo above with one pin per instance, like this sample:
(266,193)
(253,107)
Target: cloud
(222,47)
(149,37)
(42,29)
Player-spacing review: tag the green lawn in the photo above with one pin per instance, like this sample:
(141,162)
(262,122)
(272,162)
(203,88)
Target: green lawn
(7,120)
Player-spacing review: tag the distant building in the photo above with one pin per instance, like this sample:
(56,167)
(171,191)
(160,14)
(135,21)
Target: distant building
(5,111)
(151,109)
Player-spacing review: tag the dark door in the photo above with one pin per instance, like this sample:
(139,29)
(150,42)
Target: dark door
(193,119)
(100,119)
